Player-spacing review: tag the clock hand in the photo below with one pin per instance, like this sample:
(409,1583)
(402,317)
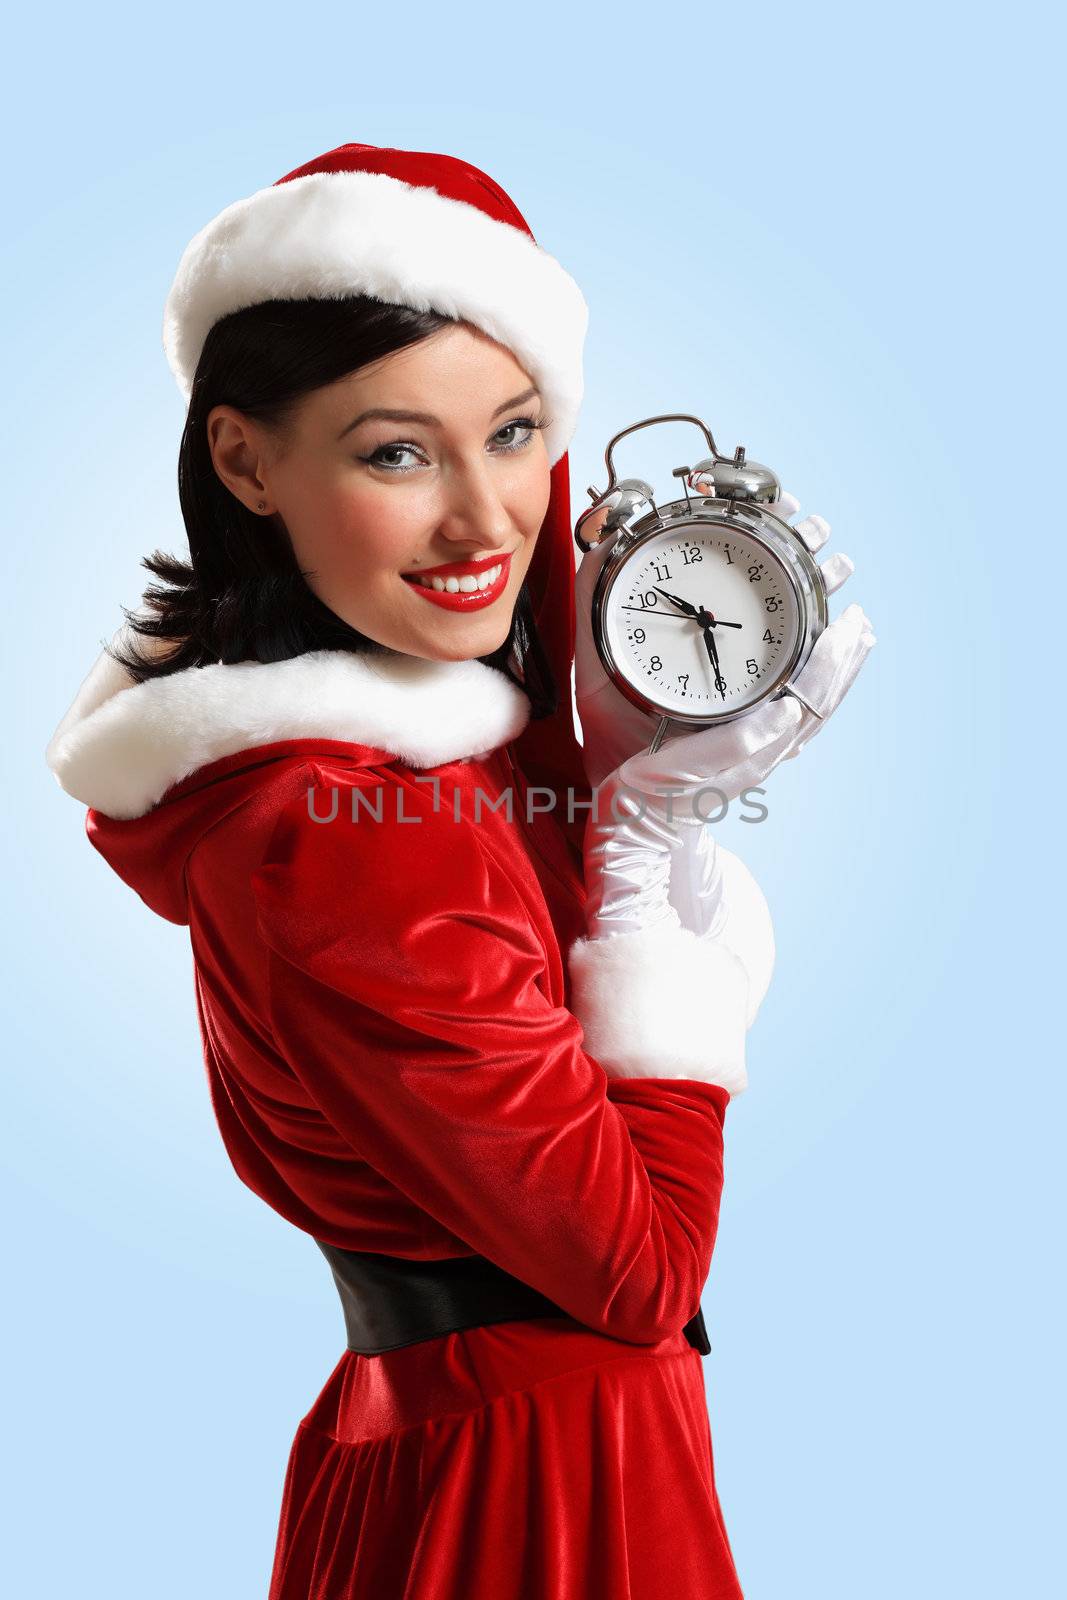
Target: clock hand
(709,640)
(676,616)
(673,616)
(691,611)
(686,607)
(713,653)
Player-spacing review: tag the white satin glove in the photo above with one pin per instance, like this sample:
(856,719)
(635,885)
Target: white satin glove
(651,865)
(613,728)
(649,989)
(717,897)
(627,858)
(652,808)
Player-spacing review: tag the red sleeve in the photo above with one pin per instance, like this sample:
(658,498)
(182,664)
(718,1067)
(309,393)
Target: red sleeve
(406,993)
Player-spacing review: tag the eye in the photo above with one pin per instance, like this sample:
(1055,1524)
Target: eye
(402,447)
(531,426)
(375,459)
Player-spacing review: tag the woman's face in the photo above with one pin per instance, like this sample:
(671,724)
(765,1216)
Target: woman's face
(372,503)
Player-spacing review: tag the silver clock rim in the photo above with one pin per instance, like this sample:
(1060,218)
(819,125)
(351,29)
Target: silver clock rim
(755,522)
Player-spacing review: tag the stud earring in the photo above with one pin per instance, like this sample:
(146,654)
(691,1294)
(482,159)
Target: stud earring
(260,505)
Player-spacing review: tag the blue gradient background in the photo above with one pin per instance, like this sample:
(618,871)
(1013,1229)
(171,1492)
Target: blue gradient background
(832,234)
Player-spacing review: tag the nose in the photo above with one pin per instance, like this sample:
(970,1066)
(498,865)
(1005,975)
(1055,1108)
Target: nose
(475,516)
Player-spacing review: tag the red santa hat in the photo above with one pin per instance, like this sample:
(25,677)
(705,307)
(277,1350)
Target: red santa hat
(427,231)
(431,232)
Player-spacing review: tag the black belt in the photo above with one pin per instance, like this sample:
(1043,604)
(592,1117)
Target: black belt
(392,1301)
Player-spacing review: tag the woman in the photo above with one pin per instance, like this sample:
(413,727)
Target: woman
(457,1034)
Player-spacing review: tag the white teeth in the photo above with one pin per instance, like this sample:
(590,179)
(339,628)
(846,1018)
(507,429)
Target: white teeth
(465,585)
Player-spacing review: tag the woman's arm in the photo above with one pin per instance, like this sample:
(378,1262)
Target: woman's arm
(406,993)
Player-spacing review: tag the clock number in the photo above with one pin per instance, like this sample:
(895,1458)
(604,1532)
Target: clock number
(752,666)
(772,602)
(683,679)
(692,553)
(656,664)
(639,636)
(662,573)
(726,553)
(649,597)
(768,637)
(755,573)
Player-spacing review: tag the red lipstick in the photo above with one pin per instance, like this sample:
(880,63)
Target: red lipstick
(460,599)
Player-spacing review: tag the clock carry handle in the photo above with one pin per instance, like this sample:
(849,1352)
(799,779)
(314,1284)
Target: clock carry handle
(672,416)
(618,514)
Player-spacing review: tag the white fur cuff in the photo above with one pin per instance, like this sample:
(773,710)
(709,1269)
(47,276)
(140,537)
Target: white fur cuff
(662,1003)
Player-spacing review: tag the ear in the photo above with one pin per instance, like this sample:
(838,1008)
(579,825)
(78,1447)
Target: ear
(240,456)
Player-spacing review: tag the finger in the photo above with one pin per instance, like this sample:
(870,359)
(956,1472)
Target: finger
(753,768)
(835,570)
(727,756)
(844,656)
(786,506)
(814,531)
(762,728)
(851,621)
(589,568)
(835,660)
(730,743)
(811,725)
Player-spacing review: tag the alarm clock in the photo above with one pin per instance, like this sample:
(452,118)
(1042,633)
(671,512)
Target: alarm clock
(707,605)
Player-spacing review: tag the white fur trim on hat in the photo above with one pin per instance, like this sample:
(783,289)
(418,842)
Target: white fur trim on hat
(662,1003)
(329,234)
(121,745)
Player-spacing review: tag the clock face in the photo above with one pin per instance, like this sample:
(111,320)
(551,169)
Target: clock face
(747,606)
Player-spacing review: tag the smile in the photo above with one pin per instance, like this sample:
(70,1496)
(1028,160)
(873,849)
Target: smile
(462,585)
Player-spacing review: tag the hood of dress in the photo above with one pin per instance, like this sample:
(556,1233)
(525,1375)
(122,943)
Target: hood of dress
(160,762)
(122,745)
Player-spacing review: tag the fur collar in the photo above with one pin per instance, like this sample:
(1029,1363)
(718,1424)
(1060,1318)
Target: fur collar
(122,744)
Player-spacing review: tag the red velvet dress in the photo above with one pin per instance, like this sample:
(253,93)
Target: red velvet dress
(383,1000)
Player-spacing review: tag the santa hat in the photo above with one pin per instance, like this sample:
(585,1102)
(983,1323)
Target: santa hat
(431,232)
(427,231)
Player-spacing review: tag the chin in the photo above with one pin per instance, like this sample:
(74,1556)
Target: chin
(468,644)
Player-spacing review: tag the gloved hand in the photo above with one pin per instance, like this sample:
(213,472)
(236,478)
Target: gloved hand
(649,865)
(653,869)
(613,728)
(730,757)
(705,768)
(717,897)
(649,988)
(648,827)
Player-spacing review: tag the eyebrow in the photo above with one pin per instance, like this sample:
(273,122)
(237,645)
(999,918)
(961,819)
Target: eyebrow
(424,416)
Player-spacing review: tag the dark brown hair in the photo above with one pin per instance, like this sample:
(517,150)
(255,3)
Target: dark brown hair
(241,596)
